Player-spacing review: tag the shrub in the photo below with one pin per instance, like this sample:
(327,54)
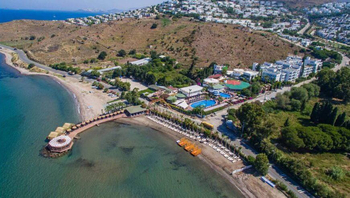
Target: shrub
(154,26)
(102,55)
(31,65)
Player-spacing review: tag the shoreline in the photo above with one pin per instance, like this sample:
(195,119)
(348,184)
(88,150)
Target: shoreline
(86,107)
(247,184)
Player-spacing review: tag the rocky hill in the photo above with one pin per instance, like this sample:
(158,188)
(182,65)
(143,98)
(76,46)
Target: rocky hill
(53,41)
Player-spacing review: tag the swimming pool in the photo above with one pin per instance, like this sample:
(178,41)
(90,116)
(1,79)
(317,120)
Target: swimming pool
(205,103)
(225,95)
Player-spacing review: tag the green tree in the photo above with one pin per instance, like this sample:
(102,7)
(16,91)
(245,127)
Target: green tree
(333,116)
(261,163)
(315,116)
(95,74)
(251,116)
(251,159)
(340,120)
(117,73)
(299,93)
(312,89)
(102,55)
(154,26)
(282,101)
(121,53)
(224,71)
(286,123)
(132,52)
(295,104)
(151,78)
(291,139)
(31,65)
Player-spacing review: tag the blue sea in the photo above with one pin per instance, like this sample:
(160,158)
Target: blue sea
(112,160)
(7,15)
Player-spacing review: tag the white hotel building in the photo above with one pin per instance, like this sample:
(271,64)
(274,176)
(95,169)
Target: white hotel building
(290,69)
(191,91)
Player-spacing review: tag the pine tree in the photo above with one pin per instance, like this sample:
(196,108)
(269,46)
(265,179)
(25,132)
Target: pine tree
(333,117)
(326,112)
(340,120)
(303,106)
(286,123)
(315,112)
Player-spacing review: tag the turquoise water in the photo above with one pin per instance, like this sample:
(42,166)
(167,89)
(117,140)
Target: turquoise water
(113,160)
(7,15)
(225,95)
(205,103)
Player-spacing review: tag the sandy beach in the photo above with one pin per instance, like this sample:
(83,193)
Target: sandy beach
(89,101)
(247,183)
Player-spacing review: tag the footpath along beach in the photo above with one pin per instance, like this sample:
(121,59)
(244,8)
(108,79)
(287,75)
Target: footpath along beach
(90,101)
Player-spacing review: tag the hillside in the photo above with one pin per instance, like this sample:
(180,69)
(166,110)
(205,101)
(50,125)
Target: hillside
(52,42)
(304,3)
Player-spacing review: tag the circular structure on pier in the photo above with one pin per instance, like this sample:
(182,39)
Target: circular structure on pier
(60,144)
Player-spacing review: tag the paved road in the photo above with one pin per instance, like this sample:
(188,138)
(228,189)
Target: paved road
(302,31)
(23,57)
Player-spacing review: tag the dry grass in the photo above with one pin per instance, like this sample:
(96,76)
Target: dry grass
(183,40)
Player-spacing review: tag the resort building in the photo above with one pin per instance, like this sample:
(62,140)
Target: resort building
(141,62)
(290,69)
(181,103)
(101,71)
(191,91)
(271,74)
(135,111)
(217,76)
(237,73)
(315,63)
(60,144)
(218,69)
(210,81)
(307,71)
(249,75)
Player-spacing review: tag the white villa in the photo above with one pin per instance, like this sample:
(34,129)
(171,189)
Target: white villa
(191,91)
(141,62)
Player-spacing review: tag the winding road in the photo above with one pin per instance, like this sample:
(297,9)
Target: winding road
(23,57)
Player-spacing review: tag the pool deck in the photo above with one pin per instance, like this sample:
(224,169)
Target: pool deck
(203,103)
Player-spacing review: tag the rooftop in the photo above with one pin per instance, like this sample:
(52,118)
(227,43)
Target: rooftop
(193,88)
(135,109)
(241,86)
(60,141)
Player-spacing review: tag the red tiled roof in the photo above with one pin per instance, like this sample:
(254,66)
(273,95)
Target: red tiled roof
(215,76)
(172,88)
(233,82)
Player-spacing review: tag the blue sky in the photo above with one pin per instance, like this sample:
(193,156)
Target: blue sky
(75,4)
